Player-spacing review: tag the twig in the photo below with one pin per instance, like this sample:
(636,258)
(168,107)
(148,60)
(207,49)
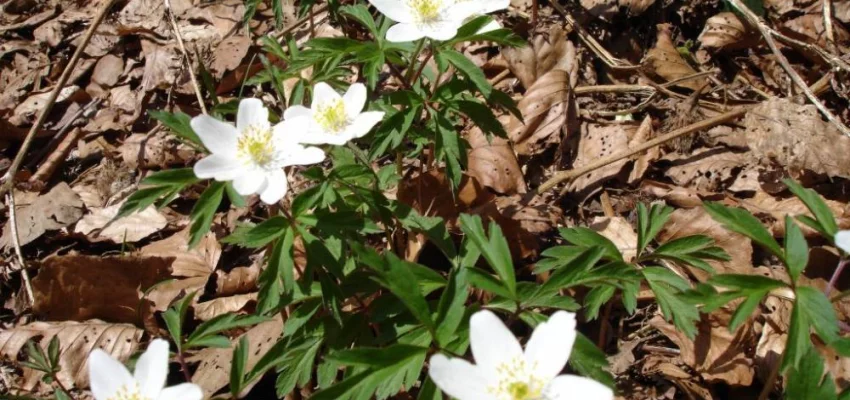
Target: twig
(313,12)
(827,25)
(795,77)
(186,57)
(571,174)
(771,380)
(590,41)
(9,177)
(16,241)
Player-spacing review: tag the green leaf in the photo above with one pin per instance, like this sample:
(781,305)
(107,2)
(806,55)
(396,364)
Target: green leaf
(397,276)
(590,361)
(796,249)
(741,221)
(238,365)
(367,381)
(823,215)
(377,357)
(819,312)
(567,275)
(174,317)
(482,116)
(746,282)
(808,381)
(494,249)
(205,333)
(450,148)
(585,237)
(668,287)
(259,235)
(179,123)
(164,185)
(650,223)
(798,342)
(484,281)
(468,69)
(204,211)
(362,15)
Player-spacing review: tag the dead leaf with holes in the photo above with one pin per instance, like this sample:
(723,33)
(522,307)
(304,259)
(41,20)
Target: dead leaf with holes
(493,163)
(711,170)
(100,224)
(665,61)
(598,141)
(76,341)
(78,287)
(54,210)
(676,195)
(190,268)
(608,9)
(725,31)
(796,137)
(695,221)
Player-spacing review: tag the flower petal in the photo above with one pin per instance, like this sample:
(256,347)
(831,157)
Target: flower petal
(396,10)
(440,30)
(152,369)
(322,94)
(107,375)
(297,111)
(577,387)
(458,378)
(252,112)
(488,6)
(842,240)
(296,129)
(489,27)
(404,32)
(354,99)
(183,391)
(220,167)
(276,187)
(550,345)
(363,124)
(491,341)
(218,137)
(249,183)
(305,156)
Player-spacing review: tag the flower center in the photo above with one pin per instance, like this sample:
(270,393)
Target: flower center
(255,146)
(331,116)
(128,392)
(426,10)
(516,382)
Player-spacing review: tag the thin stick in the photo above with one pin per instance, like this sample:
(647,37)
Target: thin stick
(313,12)
(16,241)
(186,57)
(9,177)
(572,174)
(827,25)
(795,77)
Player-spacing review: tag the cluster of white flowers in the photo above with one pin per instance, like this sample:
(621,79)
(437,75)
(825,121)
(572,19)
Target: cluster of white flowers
(253,153)
(434,19)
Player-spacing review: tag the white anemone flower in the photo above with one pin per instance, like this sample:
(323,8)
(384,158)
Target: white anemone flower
(434,19)
(487,7)
(504,372)
(252,154)
(110,380)
(331,118)
(842,240)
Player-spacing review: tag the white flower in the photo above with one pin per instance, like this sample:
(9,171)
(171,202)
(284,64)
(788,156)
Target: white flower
(252,154)
(842,240)
(503,372)
(435,19)
(487,7)
(110,380)
(331,118)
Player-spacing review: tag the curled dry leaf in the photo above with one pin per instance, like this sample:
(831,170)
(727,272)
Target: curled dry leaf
(192,267)
(547,52)
(25,113)
(208,310)
(100,225)
(666,62)
(77,287)
(56,209)
(643,160)
(796,137)
(493,163)
(76,341)
(710,170)
(725,31)
(238,280)
(669,369)
(544,109)
(809,28)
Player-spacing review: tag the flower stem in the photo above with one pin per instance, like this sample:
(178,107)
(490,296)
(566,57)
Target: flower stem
(834,279)
(421,68)
(413,57)
(62,387)
(184,367)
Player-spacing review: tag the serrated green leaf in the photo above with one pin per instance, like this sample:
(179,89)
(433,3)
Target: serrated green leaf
(741,221)
(179,123)
(567,275)
(237,366)
(808,382)
(668,287)
(585,237)
(468,69)
(204,211)
(494,249)
(796,249)
(826,224)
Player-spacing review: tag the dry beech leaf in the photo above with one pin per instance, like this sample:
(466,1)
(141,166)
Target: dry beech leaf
(56,209)
(77,287)
(76,340)
(546,52)
(161,150)
(98,225)
(493,163)
(544,109)
(675,195)
(765,205)
(725,31)
(208,310)
(237,281)
(535,215)
(108,70)
(696,221)
(608,9)
(192,267)
(668,368)
(25,113)
(598,141)
(809,28)
(796,137)
(229,54)
(642,161)
(715,353)
(709,170)
(665,61)
(213,373)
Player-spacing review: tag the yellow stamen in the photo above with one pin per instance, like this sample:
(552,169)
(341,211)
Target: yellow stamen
(255,146)
(331,116)
(517,382)
(426,10)
(128,392)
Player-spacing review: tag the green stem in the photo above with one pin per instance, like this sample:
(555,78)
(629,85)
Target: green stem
(413,58)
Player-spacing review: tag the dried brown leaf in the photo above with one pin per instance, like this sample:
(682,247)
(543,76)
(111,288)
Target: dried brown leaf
(618,231)
(493,163)
(237,281)
(544,110)
(598,141)
(192,267)
(208,310)
(765,205)
(709,170)
(725,31)
(665,61)
(608,9)
(98,225)
(56,209)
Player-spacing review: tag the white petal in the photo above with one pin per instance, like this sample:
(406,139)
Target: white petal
(252,112)
(306,156)
(396,10)
(458,378)
(314,137)
(363,124)
(354,99)
(491,26)
(491,341)
(220,167)
(404,32)
(550,344)
(275,189)
(107,375)
(294,129)
(249,183)
(842,240)
(218,137)
(577,387)
(152,369)
(322,94)
(488,6)
(462,10)
(183,391)
(440,30)
(297,111)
